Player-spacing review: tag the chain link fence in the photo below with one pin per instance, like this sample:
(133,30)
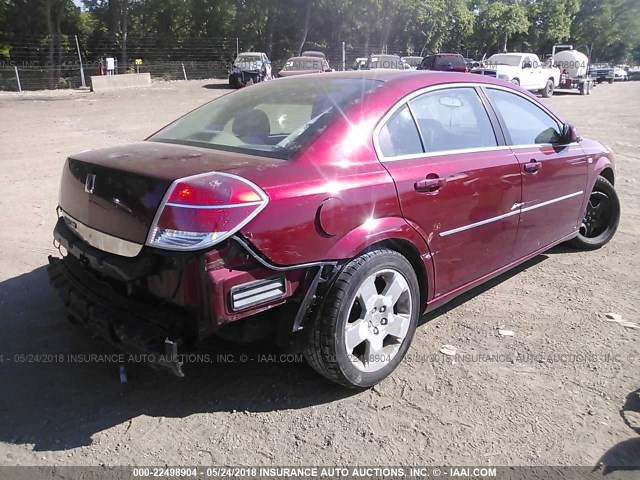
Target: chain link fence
(58,62)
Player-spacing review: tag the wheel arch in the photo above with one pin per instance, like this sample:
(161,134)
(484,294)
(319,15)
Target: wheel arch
(396,234)
(409,251)
(607,173)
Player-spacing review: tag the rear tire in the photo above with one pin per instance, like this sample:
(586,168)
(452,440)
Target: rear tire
(547,91)
(584,88)
(601,218)
(515,81)
(367,320)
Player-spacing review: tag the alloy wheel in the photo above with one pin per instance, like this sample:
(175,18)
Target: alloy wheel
(598,215)
(379,320)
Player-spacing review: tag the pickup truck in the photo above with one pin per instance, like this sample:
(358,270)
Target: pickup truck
(524,69)
(602,72)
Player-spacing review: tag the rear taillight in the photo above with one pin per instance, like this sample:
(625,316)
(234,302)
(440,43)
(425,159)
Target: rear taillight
(198,212)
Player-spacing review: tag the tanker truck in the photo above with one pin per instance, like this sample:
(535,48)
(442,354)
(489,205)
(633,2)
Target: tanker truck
(574,69)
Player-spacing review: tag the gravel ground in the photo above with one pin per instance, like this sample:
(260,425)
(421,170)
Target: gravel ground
(563,391)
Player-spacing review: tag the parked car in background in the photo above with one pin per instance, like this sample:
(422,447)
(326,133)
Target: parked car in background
(603,72)
(471,63)
(249,68)
(303,65)
(620,74)
(345,205)
(444,62)
(316,54)
(523,69)
(360,63)
(634,74)
(413,62)
(313,53)
(384,60)
(381,61)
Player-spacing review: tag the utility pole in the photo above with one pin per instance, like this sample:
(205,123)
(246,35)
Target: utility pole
(80,59)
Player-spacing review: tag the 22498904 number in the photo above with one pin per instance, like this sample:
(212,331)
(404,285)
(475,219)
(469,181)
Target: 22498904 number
(164,472)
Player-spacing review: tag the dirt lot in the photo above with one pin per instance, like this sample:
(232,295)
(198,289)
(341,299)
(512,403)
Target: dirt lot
(502,404)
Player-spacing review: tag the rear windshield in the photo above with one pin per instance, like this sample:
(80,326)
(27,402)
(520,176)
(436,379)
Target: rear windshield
(275,119)
(303,63)
(449,61)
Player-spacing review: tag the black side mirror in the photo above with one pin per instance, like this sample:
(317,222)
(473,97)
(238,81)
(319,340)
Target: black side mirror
(527,65)
(570,134)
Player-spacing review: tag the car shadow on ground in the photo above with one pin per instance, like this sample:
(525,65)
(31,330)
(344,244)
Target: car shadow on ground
(56,397)
(56,402)
(217,86)
(625,456)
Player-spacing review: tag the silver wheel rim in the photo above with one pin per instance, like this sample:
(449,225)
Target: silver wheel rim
(378,321)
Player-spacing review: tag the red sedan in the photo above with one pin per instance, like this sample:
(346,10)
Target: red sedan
(327,213)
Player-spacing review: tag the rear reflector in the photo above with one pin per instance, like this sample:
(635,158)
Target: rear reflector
(200,211)
(256,293)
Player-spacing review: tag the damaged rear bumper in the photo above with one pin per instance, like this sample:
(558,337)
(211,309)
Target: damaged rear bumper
(131,326)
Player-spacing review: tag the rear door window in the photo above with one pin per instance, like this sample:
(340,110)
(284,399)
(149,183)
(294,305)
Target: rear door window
(399,136)
(453,119)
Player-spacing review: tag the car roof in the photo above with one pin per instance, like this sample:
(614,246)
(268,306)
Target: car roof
(250,53)
(426,77)
(315,59)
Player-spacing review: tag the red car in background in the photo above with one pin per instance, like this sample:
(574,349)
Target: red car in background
(345,205)
(444,62)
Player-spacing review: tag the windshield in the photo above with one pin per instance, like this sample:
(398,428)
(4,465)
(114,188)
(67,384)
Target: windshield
(274,119)
(303,63)
(248,59)
(511,60)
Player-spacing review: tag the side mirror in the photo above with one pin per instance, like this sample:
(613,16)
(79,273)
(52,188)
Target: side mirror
(527,65)
(570,134)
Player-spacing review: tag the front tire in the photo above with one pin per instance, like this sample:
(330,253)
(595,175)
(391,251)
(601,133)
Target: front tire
(367,321)
(515,81)
(601,218)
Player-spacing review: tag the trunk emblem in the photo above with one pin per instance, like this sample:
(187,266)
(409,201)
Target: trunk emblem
(90,183)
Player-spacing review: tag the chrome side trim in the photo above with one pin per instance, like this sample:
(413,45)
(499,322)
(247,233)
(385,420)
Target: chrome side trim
(550,202)
(214,207)
(479,224)
(100,240)
(517,211)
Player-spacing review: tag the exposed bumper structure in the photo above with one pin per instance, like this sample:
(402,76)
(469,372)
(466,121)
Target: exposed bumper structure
(128,325)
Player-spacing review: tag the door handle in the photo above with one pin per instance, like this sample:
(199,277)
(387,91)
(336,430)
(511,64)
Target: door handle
(431,184)
(533,166)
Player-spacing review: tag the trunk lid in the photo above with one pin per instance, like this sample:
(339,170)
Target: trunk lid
(118,190)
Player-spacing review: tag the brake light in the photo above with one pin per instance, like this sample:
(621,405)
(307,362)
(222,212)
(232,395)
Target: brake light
(200,211)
